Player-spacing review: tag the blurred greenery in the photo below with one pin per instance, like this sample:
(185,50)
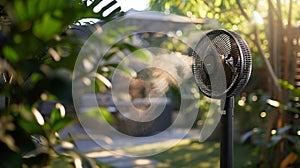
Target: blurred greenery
(38,52)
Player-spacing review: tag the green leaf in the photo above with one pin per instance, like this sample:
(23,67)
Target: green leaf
(111,53)
(141,55)
(20,10)
(63,122)
(100,113)
(58,4)
(286,84)
(36,77)
(296,92)
(55,115)
(31,8)
(31,127)
(47,27)
(71,139)
(43,6)
(99,86)
(10,54)
(125,70)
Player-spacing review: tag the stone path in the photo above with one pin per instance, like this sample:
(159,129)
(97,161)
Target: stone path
(119,161)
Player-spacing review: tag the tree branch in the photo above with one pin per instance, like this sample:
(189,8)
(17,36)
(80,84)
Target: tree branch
(260,50)
(266,61)
(242,10)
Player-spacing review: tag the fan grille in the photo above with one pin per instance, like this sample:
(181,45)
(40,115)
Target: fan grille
(221,54)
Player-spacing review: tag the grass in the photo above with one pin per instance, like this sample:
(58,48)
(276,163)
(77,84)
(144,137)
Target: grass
(190,153)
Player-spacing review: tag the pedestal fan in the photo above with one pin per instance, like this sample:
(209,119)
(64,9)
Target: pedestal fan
(222,67)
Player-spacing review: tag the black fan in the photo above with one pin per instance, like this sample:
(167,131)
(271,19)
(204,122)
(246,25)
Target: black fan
(217,52)
(222,67)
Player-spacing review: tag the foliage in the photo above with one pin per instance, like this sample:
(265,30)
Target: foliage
(243,17)
(36,61)
(288,134)
(267,27)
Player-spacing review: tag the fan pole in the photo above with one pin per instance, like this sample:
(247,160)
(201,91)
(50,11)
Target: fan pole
(226,160)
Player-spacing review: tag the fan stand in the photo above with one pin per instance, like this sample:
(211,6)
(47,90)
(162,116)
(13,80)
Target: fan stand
(231,45)
(226,140)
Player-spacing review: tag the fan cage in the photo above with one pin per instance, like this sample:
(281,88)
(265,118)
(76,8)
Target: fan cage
(237,60)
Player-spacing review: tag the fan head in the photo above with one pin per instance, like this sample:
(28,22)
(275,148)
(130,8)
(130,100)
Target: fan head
(222,63)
